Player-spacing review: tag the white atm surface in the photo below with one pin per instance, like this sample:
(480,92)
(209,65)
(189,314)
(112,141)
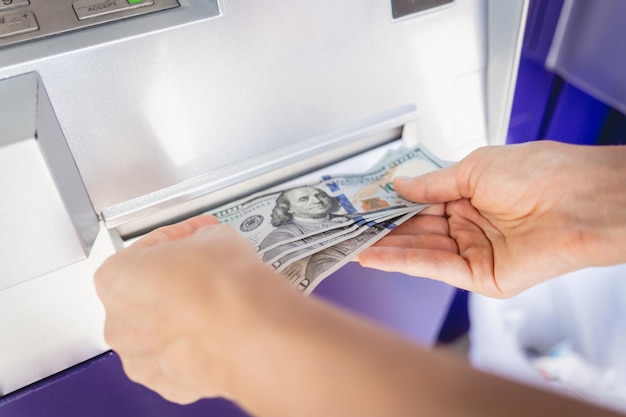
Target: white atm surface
(117,117)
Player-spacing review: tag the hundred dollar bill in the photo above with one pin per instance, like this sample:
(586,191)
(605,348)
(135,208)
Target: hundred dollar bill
(308,272)
(311,242)
(308,231)
(384,157)
(263,219)
(339,228)
(266,219)
(388,155)
(293,252)
(306,269)
(373,190)
(296,253)
(345,240)
(318,240)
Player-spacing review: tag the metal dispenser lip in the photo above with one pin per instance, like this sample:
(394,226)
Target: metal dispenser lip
(203,192)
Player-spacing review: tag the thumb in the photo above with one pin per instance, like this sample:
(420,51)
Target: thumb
(434,187)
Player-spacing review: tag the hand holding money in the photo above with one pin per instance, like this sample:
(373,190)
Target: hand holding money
(193,312)
(308,231)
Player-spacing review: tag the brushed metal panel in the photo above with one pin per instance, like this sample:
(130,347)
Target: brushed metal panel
(46,219)
(147,112)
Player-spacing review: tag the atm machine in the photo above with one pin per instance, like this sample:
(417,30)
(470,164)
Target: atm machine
(119,116)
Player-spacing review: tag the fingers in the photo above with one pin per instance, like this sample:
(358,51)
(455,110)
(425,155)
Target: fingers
(430,241)
(423,224)
(453,249)
(434,187)
(448,184)
(223,238)
(142,369)
(434,210)
(441,265)
(469,229)
(420,231)
(420,247)
(421,236)
(175,231)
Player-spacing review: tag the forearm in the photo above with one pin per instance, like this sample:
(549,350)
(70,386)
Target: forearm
(600,203)
(308,358)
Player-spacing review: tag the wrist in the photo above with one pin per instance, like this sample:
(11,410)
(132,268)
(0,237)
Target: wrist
(600,205)
(253,307)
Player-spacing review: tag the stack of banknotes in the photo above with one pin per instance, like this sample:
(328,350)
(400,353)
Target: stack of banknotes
(308,231)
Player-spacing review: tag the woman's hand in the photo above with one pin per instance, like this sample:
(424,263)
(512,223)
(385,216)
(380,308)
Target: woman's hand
(508,217)
(178,302)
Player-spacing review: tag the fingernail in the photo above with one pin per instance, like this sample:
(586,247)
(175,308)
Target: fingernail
(402,178)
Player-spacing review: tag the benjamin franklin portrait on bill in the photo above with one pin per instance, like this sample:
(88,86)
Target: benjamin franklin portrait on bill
(300,211)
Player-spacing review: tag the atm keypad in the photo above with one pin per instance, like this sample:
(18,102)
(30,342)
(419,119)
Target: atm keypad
(9,4)
(86,9)
(29,20)
(17,23)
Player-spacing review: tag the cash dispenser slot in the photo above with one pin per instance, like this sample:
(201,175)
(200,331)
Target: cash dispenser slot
(46,217)
(199,194)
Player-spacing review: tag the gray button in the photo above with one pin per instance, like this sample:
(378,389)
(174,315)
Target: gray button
(86,9)
(16,23)
(9,4)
